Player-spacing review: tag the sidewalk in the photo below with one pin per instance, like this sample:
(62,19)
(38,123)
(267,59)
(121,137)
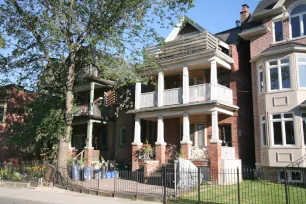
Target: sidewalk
(59,196)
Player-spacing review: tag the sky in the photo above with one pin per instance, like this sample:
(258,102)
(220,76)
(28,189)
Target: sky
(216,15)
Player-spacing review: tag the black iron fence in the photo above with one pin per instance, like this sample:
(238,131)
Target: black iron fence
(197,185)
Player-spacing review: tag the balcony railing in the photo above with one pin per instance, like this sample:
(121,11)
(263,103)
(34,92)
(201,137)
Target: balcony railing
(189,45)
(97,111)
(198,93)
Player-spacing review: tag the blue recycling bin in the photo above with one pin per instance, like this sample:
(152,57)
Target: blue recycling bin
(75,173)
(88,173)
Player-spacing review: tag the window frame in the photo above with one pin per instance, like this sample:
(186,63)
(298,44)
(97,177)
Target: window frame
(301,23)
(282,120)
(279,72)
(303,121)
(298,69)
(289,176)
(260,69)
(262,131)
(120,136)
(274,36)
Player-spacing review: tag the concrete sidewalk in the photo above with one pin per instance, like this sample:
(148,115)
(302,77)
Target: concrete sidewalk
(59,196)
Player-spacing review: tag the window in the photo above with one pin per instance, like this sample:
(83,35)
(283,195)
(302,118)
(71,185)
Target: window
(123,136)
(283,129)
(260,80)
(292,176)
(201,135)
(192,130)
(1,114)
(78,141)
(278,31)
(304,126)
(263,131)
(225,134)
(298,21)
(302,72)
(279,74)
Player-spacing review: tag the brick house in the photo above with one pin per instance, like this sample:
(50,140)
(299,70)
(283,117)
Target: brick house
(201,102)
(278,58)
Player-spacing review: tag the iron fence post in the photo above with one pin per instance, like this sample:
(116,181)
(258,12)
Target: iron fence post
(238,185)
(286,187)
(199,186)
(164,183)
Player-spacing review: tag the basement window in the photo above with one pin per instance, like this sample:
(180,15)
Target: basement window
(292,176)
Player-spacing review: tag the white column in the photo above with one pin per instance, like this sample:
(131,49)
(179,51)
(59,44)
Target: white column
(160,89)
(137,136)
(160,131)
(213,79)
(137,95)
(91,98)
(186,129)
(185,85)
(214,127)
(89,134)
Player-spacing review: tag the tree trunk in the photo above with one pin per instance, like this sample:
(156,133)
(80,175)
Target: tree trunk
(63,145)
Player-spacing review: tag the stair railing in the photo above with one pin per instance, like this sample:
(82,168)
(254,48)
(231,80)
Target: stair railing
(80,155)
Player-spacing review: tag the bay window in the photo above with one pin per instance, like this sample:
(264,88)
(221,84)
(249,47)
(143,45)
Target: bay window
(278,31)
(260,80)
(279,74)
(263,131)
(283,129)
(298,21)
(302,71)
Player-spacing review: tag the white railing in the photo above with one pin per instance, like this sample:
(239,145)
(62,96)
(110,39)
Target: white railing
(148,100)
(199,93)
(199,153)
(173,96)
(224,94)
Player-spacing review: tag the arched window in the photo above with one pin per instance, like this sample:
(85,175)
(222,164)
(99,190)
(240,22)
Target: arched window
(298,21)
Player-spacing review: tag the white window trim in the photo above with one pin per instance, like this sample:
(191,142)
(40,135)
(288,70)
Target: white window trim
(260,69)
(278,66)
(298,70)
(282,120)
(289,179)
(273,26)
(120,136)
(300,15)
(263,130)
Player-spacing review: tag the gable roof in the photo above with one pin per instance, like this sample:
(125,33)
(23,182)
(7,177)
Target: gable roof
(264,5)
(181,25)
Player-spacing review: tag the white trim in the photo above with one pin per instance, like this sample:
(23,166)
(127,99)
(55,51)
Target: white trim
(260,69)
(282,120)
(262,131)
(273,29)
(289,177)
(300,15)
(298,70)
(279,71)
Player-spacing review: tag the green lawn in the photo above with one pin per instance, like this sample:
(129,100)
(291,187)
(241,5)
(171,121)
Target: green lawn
(250,192)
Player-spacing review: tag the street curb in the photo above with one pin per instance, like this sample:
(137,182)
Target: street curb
(14,185)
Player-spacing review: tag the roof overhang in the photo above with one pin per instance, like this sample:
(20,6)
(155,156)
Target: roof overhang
(253,32)
(296,48)
(269,13)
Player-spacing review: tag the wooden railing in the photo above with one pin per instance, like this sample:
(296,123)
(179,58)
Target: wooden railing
(148,100)
(79,156)
(173,96)
(199,93)
(189,45)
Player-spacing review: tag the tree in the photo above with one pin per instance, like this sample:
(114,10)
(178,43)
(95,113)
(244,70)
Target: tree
(42,32)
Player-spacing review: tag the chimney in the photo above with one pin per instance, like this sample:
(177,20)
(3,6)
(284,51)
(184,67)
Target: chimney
(237,23)
(245,13)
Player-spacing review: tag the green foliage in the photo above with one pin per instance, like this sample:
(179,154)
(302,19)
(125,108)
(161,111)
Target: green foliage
(2,42)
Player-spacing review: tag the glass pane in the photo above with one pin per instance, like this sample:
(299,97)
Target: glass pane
(286,77)
(288,115)
(276,116)
(296,176)
(282,175)
(278,136)
(274,79)
(263,118)
(201,135)
(278,26)
(302,75)
(264,137)
(303,115)
(285,61)
(302,60)
(273,63)
(304,131)
(295,27)
(289,129)
(261,82)
(192,133)
(299,9)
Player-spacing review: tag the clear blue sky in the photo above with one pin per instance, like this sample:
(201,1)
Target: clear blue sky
(216,15)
